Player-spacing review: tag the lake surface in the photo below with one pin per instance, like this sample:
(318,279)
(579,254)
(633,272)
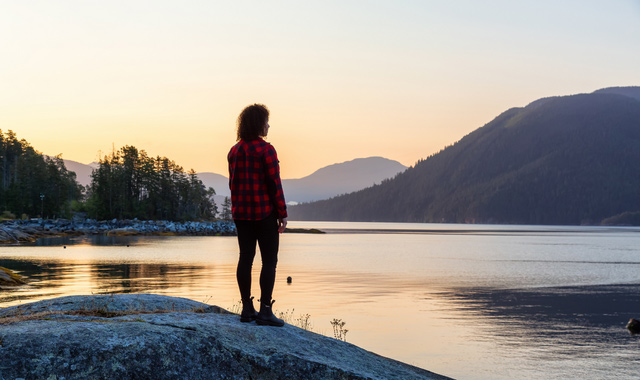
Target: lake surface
(466,301)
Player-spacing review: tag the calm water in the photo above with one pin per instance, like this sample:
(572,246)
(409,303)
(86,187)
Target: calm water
(470,302)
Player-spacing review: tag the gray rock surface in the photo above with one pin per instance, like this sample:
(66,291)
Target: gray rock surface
(147,336)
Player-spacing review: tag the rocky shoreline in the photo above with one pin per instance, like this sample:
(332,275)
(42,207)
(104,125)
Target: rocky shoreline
(19,231)
(22,231)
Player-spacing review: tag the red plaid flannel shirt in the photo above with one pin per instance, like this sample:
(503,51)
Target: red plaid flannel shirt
(254,180)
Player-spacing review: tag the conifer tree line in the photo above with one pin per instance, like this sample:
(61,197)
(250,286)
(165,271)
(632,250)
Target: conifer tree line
(33,185)
(127,184)
(130,184)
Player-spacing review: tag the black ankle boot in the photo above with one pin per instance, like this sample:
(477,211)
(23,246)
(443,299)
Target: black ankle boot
(249,313)
(265,316)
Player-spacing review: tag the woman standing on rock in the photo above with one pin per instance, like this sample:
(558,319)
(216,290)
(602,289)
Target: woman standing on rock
(258,208)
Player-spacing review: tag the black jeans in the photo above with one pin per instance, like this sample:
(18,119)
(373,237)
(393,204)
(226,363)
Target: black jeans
(265,233)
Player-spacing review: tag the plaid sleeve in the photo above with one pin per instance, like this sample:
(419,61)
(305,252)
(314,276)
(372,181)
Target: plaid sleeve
(272,172)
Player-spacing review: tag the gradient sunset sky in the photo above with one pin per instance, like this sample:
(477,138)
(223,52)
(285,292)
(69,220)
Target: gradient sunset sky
(343,79)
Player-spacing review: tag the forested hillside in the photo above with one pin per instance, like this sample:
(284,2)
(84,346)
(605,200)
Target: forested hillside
(33,185)
(559,160)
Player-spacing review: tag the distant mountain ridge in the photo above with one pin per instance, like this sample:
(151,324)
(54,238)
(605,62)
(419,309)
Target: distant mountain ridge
(632,92)
(324,183)
(341,178)
(559,160)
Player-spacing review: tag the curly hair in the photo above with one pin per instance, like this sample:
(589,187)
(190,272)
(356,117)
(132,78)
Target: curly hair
(251,122)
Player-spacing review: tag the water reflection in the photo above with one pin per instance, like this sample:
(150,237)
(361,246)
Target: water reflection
(96,240)
(139,278)
(47,279)
(572,330)
(470,306)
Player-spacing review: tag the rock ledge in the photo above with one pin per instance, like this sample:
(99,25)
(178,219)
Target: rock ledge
(133,336)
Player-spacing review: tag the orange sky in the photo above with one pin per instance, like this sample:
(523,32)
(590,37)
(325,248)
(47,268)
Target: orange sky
(343,80)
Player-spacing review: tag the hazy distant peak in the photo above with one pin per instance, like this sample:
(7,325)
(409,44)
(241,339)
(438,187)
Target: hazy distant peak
(359,164)
(83,171)
(341,178)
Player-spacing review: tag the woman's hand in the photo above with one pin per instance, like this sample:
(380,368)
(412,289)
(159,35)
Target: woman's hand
(282,224)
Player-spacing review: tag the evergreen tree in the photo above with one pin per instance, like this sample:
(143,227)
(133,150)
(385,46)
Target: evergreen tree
(226,209)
